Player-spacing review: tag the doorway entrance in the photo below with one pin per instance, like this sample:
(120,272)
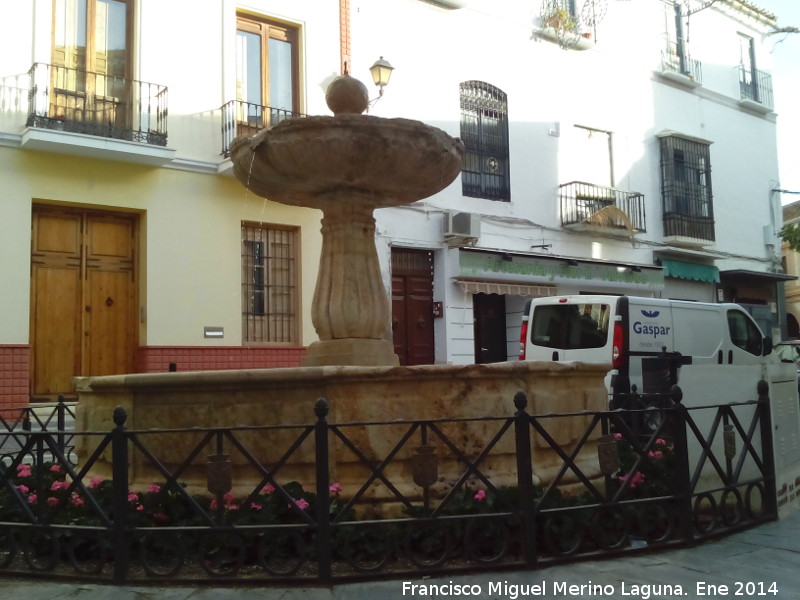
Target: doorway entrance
(489,312)
(83,297)
(412,306)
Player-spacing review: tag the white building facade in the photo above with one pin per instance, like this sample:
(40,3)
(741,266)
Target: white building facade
(612,147)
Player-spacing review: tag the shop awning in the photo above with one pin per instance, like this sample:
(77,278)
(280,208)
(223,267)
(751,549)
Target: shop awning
(684,270)
(505,288)
(758,276)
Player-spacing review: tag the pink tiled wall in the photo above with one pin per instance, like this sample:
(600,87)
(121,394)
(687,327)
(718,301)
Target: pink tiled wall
(14,375)
(155,359)
(15,364)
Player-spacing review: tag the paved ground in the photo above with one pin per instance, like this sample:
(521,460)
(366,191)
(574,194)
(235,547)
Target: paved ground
(760,563)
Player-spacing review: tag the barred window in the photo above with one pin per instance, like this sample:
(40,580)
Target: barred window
(686,188)
(269,284)
(484,131)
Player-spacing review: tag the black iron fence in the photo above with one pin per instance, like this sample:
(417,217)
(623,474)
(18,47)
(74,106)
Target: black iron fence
(755,85)
(246,118)
(676,60)
(433,496)
(580,201)
(98,104)
(15,423)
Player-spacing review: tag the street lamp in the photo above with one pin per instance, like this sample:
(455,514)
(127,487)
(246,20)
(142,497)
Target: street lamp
(381,72)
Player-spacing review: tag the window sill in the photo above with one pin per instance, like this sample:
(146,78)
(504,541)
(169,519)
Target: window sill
(755,106)
(81,144)
(687,242)
(679,78)
(549,34)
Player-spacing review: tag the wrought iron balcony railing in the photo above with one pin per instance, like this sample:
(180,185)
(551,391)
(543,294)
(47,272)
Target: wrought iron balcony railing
(583,202)
(688,212)
(244,118)
(78,101)
(674,60)
(755,86)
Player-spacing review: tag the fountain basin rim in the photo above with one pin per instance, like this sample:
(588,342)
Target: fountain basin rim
(311,376)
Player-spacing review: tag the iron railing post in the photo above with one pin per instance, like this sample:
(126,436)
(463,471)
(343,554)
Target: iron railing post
(323,491)
(683,491)
(767,449)
(527,506)
(61,423)
(119,473)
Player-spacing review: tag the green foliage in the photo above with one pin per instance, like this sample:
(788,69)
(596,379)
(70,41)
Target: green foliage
(790,233)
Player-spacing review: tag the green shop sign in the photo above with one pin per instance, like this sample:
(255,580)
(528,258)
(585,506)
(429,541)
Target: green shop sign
(527,269)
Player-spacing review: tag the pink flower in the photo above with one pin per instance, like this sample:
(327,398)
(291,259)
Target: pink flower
(23,470)
(636,479)
(299,503)
(77,500)
(267,489)
(140,508)
(255,506)
(480,495)
(655,454)
(133,497)
(52,501)
(23,489)
(335,488)
(95,482)
(232,506)
(55,469)
(229,498)
(154,487)
(59,485)
(213,505)
(32,499)
(661,442)
(617,436)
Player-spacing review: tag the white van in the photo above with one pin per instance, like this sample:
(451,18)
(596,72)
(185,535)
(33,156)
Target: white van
(645,340)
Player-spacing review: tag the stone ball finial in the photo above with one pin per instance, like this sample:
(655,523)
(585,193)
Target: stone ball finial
(347,96)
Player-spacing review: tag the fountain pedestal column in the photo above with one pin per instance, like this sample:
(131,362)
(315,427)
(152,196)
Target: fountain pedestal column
(350,310)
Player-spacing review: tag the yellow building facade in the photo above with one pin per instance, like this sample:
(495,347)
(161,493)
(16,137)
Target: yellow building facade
(126,244)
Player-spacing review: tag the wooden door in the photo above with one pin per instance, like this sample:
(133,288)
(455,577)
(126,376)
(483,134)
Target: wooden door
(83,297)
(412,306)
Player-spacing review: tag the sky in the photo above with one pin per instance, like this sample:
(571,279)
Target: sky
(785,49)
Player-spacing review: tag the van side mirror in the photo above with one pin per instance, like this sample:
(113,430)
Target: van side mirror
(767,346)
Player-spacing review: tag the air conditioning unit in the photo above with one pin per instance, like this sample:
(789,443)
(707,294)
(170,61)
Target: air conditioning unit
(462,229)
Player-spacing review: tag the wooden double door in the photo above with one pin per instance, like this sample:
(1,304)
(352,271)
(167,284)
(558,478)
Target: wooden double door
(412,306)
(83,297)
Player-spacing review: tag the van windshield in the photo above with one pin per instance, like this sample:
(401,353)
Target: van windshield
(570,326)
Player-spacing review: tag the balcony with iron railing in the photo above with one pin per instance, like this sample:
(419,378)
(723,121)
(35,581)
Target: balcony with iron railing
(687,214)
(96,104)
(677,65)
(755,89)
(245,118)
(586,205)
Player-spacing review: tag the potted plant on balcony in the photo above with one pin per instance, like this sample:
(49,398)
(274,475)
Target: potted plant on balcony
(560,20)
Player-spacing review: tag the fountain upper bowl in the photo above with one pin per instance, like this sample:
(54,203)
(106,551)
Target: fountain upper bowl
(309,161)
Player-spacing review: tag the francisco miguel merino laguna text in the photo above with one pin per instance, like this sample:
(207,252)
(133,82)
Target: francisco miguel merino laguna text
(512,591)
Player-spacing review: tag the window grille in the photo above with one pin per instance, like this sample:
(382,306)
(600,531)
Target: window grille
(686,188)
(269,284)
(484,131)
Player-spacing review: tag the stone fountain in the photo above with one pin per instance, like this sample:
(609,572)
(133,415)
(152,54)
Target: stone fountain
(347,166)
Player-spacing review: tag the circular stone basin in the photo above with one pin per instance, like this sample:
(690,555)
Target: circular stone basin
(310,161)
